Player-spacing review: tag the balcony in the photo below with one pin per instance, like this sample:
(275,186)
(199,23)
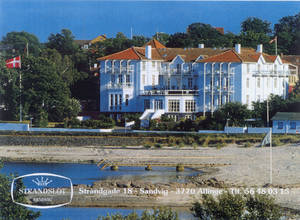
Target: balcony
(279,73)
(168,92)
(119,86)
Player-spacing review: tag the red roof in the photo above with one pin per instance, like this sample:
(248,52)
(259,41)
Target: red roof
(128,54)
(227,56)
(155,44)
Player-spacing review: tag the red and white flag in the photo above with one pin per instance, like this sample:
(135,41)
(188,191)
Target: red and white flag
(13,63)
(271,41)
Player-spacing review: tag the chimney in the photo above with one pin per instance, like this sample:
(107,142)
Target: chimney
(238,48)
(259,48)
(148,52)
(200,45)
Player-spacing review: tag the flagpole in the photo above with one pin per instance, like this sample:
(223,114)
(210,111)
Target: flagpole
(20,87)
(271,179)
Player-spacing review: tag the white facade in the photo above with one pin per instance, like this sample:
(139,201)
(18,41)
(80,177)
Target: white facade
(182,86)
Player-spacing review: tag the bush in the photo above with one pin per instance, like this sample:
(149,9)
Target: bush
(158,145)
(237,206)
(147,146)
(157,214)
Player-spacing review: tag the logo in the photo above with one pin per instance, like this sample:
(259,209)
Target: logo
(42,182)
(42,190)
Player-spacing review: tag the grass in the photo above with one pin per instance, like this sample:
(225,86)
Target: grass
(157,145)
(247,144)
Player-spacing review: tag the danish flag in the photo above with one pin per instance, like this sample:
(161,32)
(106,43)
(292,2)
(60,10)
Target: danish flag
(13,63)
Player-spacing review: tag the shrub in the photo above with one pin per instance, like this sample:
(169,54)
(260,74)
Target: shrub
(158,145)
(147,146)
(157,214)
(236,206)
(247,144)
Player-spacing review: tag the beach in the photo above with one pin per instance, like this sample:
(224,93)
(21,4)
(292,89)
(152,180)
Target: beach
(245,168)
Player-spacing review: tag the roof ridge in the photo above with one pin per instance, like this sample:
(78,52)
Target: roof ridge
(133,48)
(237,55)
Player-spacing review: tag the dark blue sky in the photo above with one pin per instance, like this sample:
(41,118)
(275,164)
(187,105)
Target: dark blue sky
(90,18)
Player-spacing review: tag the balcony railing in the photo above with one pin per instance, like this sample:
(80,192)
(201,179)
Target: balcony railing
(279,73)
(169,92)
(119,86)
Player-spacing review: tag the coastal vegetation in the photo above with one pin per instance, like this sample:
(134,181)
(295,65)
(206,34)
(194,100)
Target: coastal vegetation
(147,140)
(237,206)
(8,209)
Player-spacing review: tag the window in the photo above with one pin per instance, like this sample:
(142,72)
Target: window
(280,125)
(113,79)
(248,83)
(120,79)
(143,79)
(292,125)
(258,98)
(143,66)
(158,104)
(248,68)
(120,99)
(111,100)
(268,82)
(258,82)
(116,99)
(190,83)
(190,106)
(178,68)
(127,79)
(153,64)
(146,104)
(126,99)
(173,105)
(275,83)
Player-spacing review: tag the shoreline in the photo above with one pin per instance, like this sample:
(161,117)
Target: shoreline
(248,167)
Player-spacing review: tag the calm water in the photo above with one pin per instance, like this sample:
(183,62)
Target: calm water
(93,213)
(87,174)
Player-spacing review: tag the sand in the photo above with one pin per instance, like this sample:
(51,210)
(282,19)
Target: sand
(247,167)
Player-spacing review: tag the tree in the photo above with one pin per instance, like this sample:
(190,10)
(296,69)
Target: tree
(288,34)
(276,104)
(8,209)
(179,40)
(256,25)
(162,37)
(256,31)
(63,42)
(235,112)
(43,90)
(205,33)
(9,91)
(18,40)
(237,206)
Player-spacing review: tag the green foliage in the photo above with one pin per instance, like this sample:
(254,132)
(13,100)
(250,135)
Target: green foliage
(256,25)
(103,122)
(235,112)
(287,32)
(8,209)
(155,214)
(17,42)
(276,104)
(236,206)
(9,91)
(63,42)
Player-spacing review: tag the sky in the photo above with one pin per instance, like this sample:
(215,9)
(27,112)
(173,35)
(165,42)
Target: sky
(89,18)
